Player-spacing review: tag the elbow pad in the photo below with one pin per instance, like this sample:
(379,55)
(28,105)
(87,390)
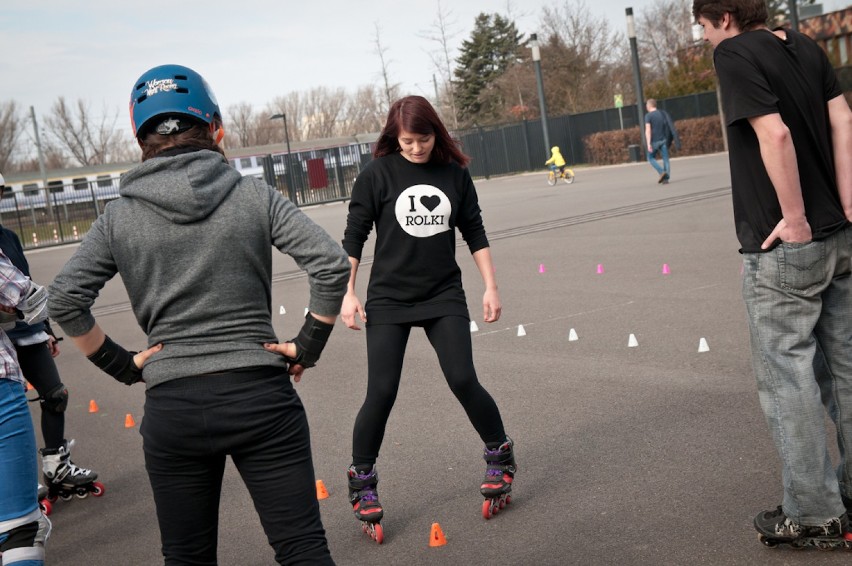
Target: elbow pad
(34,306)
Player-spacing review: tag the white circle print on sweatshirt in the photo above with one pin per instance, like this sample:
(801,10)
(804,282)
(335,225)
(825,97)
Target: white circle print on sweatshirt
(423,211)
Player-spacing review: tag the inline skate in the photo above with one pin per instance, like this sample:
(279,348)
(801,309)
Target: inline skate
(775,528)
(43,503)
(499,474)
(365,499)
(64,479)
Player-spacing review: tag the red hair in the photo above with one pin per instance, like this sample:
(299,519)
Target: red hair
(414,114)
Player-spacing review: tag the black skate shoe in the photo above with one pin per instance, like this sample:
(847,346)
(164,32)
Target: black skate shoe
(499,475)
(64,479)
(364,498)
(775,528)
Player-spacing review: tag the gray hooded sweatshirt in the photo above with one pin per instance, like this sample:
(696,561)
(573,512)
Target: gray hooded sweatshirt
(192,240)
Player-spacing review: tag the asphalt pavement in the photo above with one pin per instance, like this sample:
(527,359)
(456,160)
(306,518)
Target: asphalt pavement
(655,453)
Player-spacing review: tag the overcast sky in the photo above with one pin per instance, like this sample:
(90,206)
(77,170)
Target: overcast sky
(248,50)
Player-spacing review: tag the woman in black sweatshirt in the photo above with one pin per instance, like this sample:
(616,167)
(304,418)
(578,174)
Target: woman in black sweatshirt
(416,192)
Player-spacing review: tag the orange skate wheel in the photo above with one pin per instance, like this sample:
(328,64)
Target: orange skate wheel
(486,509)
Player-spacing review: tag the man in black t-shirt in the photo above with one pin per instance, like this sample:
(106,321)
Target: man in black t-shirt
(790,149)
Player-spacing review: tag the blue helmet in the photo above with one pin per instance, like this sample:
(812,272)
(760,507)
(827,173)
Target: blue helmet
(171,90)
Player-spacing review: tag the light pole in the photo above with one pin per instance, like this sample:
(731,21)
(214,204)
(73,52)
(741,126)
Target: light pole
(291,190)
(637,74)
(536,57)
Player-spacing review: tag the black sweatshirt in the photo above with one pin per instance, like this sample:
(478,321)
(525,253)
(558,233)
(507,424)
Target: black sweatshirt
(416,209)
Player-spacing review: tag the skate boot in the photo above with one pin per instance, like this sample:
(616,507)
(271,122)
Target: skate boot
(63,478)
(499,474)
(365,499)
(775,528)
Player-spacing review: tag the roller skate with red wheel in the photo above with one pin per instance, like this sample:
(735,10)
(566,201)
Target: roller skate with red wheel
(774,528)
(45,505)
(365,499)
(64,479)
(499,475)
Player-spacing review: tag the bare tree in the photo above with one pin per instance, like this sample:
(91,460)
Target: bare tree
(363,113)
(89,139)
(11,125)
(580,58)
(240,125)
(442,32)
(323,109)
(664,29)
(293,106)
(391,90)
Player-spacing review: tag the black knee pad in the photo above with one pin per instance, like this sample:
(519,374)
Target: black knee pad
(55,400)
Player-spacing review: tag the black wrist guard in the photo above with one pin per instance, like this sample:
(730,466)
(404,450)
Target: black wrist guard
(311,341)
(117,362)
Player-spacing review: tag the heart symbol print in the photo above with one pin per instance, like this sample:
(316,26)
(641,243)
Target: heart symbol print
(430,202)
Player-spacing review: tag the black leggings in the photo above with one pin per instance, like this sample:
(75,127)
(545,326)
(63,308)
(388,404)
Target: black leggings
(39,369)
(450,336)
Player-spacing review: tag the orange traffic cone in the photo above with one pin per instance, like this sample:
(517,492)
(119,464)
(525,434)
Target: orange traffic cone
(322,492)
(436,538)
(128,421)
(93,407)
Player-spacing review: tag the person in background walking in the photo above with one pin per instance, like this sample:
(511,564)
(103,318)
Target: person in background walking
(660,134)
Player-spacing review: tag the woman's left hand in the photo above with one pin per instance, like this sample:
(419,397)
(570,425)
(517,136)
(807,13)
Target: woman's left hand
(491,307)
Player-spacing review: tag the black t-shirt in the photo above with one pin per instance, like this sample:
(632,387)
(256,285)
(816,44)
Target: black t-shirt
(416,209)
(761,74)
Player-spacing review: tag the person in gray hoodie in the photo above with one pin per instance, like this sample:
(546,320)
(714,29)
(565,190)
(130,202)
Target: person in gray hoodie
(192,240)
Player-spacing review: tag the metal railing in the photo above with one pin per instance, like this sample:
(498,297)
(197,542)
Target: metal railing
(63,214)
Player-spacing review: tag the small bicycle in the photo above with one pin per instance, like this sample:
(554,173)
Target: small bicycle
(554,175)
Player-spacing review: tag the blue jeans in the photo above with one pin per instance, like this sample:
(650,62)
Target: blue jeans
(799,302)
(18,462)
(664,153)
(255,416)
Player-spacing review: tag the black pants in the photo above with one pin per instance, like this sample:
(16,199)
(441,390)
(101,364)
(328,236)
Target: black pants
(39,369)
(256,416)
(450,336)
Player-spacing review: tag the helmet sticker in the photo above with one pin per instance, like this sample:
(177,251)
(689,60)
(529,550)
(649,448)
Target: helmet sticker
(169,126)
(156,86)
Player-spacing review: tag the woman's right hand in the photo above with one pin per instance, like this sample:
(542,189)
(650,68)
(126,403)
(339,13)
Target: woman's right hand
(352,306)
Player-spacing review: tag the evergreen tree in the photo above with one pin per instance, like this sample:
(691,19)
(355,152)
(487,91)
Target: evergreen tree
(493,46)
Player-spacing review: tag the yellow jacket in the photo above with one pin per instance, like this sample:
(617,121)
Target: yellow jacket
(556,157)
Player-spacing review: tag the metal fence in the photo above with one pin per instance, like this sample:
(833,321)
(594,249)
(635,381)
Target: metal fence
(519,147)
(63,214)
